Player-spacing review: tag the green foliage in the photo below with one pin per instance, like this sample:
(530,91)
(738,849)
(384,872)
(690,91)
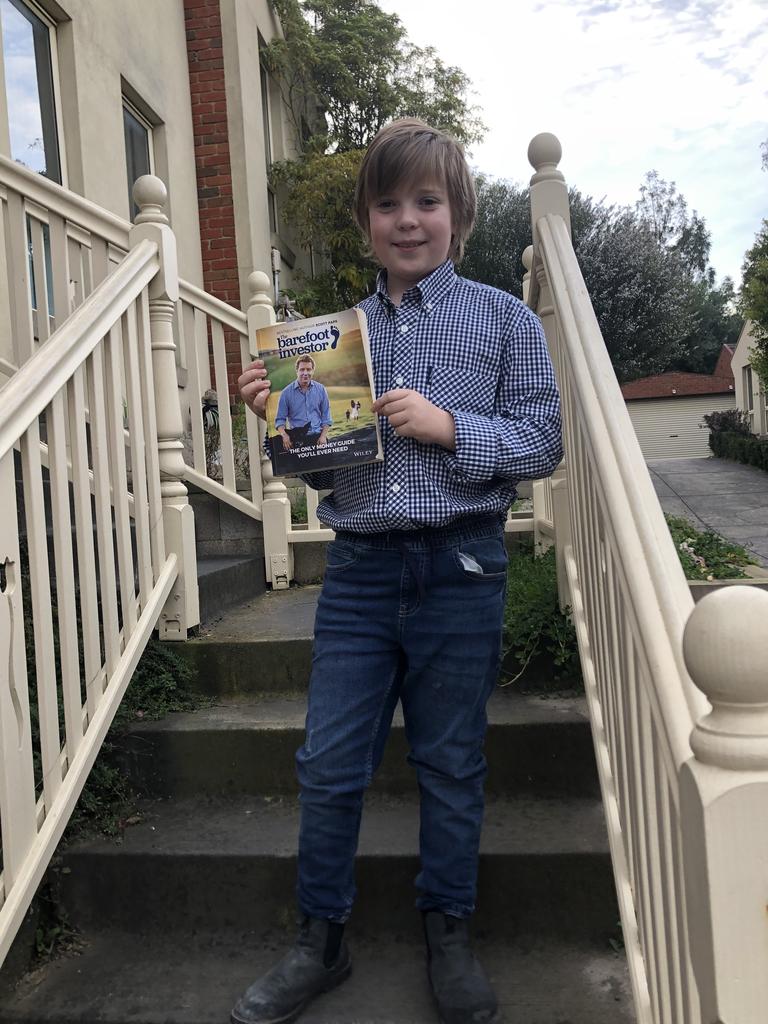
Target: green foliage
(354,63)
(753,301)
(732,420)
(534,627)
(750,450)
(707,556)
(345,69)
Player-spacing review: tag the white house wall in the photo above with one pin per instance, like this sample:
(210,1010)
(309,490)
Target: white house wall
(669,428)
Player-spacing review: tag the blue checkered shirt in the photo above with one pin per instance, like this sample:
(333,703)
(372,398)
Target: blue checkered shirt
(479,353)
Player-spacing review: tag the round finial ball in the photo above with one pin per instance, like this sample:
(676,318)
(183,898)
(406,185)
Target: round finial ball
(149,190)
(544,150)
(725,644)
(259,283)
(528,257)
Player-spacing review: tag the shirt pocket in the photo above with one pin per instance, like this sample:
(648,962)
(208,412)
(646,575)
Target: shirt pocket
(462,390)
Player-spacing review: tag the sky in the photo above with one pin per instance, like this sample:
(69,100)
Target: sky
(627,86)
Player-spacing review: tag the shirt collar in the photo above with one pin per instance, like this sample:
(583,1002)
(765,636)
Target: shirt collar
(298,386)
(427,293)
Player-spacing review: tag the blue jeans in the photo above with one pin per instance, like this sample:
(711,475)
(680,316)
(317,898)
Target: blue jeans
(416,617)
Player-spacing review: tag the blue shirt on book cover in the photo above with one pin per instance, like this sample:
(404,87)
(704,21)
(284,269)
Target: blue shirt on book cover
(301,408)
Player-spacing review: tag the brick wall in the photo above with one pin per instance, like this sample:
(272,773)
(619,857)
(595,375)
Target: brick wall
(212,163)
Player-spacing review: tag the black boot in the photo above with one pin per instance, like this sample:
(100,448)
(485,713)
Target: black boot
(462,991)
(317,962)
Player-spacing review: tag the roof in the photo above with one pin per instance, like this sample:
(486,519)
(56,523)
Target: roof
(674,384)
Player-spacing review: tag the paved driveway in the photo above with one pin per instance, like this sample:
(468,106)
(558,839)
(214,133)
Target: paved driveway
(715,494)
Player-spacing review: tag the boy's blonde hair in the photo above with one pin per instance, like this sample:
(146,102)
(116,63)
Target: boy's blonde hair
(409,150)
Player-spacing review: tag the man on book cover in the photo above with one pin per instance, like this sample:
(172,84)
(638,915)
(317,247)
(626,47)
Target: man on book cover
(303,412)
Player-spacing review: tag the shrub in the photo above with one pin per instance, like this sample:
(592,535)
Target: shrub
(535,630)
(749,450)
(733,421)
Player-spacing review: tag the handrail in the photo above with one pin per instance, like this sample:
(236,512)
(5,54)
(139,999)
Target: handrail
(34,384)
(663,600)
(48,194)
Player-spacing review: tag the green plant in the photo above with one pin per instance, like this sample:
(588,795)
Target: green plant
(750,450)
(707,556)
(298,499)
(729,420)
(534,626)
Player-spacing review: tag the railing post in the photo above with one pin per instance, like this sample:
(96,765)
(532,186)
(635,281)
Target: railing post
(724,806)
(181,611)
(276,508)
(549,194)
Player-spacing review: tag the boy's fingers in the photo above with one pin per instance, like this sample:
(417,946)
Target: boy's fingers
(389,396)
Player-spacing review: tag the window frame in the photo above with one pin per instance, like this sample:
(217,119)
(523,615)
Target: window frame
(52,25)
(137,114)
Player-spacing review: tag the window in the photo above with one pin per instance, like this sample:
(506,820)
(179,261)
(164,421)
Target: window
(267,126)
(28,54)
(138,148)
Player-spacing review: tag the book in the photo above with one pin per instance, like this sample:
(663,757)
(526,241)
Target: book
(319,412)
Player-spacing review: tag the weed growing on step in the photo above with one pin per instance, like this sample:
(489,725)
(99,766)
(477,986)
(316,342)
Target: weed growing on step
(540,649)
(707,556)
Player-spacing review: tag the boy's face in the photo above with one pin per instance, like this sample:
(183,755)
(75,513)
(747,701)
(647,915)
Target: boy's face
(410,229)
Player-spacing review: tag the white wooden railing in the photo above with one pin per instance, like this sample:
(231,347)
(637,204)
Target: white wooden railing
(684,779)
(100,557)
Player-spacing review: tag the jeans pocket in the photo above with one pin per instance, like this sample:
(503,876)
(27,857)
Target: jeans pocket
(340,555)
(483,559)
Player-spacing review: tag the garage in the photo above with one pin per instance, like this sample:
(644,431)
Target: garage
(668,409)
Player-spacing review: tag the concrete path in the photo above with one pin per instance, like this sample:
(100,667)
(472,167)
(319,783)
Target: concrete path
(719,495)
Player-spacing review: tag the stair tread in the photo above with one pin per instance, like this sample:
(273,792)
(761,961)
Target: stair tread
(120,978)
(288,712)
(215,563)
(249,827)
(279,615)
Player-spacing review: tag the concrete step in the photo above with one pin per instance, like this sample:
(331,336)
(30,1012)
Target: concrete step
(120,979)
(262,646)
(228,581)
(534,744)
(198,866)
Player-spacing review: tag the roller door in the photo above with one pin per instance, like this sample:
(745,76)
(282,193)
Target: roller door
(668,428)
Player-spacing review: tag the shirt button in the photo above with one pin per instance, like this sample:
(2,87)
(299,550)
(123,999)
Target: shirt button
(429,306)
(396,488)
(404,329)
(399,381)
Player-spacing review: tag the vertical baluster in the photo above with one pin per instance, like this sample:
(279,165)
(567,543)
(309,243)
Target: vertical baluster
(86,556)
(674,963)
(225,419)
(60,265)
(254,436)
(99,261)
(138,456)
(103,502)
(40,278)
(146,379)
(313,500)
(644,895)
(77,284)
(116,441)
(42,615)
(17,269)
(192,327)
(627,660)
(65,576)
(18,818)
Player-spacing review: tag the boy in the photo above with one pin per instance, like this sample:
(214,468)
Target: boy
(412,602)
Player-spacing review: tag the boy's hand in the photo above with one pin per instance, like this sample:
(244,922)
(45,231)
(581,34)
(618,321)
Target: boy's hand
(254,388)
(412,415)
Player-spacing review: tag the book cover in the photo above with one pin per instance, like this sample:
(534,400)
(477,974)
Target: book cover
(319,413)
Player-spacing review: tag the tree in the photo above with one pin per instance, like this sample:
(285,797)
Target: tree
(348,68)
(753,301)
(356,63)
(665,212)
(494,252)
